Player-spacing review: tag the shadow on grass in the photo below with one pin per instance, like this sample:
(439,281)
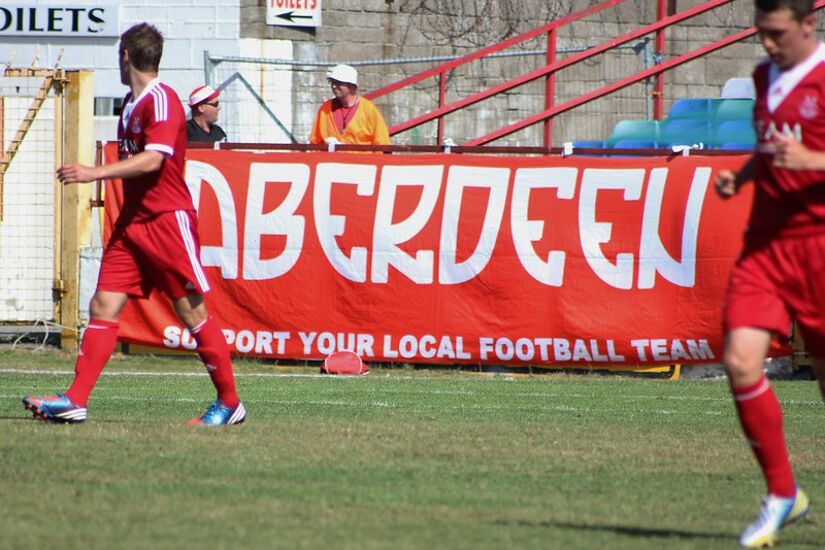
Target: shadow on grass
(639,532)
(618,529)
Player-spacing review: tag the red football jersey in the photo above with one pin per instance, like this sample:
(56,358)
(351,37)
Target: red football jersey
(155,121)
(788,202)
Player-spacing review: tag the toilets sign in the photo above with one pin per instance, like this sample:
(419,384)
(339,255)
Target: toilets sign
(68,20)
(293,13)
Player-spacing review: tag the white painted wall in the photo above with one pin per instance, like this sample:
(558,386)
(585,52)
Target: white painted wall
(190,27)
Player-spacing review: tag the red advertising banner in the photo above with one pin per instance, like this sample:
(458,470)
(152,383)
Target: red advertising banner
(458,259)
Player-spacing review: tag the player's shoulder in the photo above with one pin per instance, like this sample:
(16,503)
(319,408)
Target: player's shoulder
(163,93)
(164,102)
(168,90)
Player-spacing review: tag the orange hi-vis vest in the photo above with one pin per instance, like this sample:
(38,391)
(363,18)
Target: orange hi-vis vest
(367,126)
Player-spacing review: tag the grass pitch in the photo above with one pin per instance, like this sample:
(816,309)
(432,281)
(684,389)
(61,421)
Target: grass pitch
(394,459)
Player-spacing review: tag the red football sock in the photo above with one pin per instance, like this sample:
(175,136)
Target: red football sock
(761,418)
(214,352)
(95,349)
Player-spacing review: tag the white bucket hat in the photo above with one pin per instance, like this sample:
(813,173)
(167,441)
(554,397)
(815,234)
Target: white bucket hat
(344,73)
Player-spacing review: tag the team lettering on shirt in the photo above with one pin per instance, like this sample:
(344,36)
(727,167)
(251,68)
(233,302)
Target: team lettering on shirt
(127,148)
(766,133)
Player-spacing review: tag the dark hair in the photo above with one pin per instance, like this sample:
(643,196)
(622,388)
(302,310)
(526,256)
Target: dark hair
(799,8)
(145,46)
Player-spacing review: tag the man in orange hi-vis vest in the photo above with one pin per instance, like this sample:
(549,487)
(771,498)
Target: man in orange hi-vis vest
(348,118)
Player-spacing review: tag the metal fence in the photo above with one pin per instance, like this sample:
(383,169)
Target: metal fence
(275,100)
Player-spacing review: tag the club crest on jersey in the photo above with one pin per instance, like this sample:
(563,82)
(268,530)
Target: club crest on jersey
(136,128)
(808,109)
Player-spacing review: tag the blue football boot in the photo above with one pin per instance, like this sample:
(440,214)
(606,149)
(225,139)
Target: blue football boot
(55,408)
(219,414)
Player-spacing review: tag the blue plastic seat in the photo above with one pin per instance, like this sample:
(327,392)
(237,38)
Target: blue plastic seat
(734,131)
(690,108)
(644,130)
(736,146)
(635,144)
(588,143)
(732,109)
(685,131)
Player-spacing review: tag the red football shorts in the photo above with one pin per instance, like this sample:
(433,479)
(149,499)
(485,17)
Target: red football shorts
(774,283)
(161,253)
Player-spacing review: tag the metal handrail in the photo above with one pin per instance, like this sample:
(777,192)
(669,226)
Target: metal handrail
(610,88)
(546,71)
(460,149)
(549,29)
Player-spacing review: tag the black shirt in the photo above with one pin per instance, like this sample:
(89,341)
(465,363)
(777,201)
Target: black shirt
(195,133)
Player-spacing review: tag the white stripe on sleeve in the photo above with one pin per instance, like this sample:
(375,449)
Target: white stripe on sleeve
(160,148)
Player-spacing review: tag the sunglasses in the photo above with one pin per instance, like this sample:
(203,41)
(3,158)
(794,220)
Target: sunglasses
(213,104)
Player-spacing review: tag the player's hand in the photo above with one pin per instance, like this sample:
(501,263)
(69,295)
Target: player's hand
(76,173)
(790,153)
(726,184)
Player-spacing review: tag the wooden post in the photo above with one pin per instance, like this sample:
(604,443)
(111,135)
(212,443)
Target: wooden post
(76,232)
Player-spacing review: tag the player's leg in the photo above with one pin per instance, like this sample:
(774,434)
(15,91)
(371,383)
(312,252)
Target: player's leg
(95,349)
(98,343)
(170,244)
(757,406)
(212,347)
(761,417)
(119,277)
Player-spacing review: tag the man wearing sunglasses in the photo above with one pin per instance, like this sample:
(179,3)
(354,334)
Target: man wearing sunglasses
(348,117)
(203,101)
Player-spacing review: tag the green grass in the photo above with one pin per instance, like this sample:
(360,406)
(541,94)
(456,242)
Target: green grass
(396,459)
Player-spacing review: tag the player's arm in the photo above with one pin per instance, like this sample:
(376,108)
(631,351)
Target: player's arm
(728,182)
(141,164)
(791,154)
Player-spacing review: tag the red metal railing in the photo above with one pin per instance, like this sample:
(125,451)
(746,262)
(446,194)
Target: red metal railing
(456,149)
(553,66)
(610,88)
(441,70)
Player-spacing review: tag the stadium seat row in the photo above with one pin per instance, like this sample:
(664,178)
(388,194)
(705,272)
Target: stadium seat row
(705,123)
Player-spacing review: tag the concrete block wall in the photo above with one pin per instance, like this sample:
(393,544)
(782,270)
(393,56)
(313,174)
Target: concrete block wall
(377,29)
(383,30)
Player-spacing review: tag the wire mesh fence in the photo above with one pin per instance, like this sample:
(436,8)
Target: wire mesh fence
(275,100)
(29,141)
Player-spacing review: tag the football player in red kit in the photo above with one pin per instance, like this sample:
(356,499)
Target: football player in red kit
(780,274)
(154,243)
